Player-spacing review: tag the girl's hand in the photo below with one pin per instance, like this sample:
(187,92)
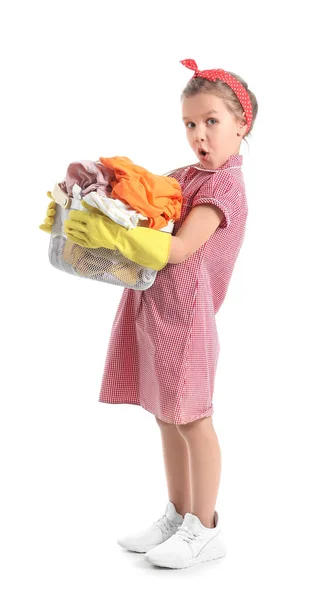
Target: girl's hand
(50,215)
(91,229)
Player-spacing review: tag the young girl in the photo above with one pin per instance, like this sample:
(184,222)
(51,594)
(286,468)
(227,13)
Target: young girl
(164,348)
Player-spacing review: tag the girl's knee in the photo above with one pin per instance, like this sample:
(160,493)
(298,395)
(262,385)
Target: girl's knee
(164,423)
(197,426)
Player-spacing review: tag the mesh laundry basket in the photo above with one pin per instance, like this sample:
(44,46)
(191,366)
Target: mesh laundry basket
(100,264)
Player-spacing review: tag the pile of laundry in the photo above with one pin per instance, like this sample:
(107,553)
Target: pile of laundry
(128,194)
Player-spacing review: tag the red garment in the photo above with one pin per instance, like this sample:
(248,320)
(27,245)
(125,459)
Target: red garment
(163,349)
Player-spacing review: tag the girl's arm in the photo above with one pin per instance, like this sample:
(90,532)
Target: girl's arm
(201,222)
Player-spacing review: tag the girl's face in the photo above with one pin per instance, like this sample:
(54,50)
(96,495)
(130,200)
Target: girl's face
(212,128)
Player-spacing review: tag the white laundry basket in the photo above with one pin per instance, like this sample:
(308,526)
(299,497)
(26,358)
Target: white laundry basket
(100,264)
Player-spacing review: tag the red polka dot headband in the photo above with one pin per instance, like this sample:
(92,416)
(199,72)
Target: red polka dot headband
(233,83)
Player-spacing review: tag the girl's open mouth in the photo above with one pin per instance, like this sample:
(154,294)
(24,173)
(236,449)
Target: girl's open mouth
(202,153)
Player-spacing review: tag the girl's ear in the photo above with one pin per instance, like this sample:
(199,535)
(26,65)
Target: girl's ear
(242,124)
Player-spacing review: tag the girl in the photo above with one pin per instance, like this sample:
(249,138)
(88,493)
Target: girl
(164,348)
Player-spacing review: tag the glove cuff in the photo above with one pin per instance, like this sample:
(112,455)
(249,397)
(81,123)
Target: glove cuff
(145,246)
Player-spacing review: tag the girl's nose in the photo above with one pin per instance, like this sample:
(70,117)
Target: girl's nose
(199,135)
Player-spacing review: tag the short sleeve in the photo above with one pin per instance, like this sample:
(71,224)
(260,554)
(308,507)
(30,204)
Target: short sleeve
(222,191)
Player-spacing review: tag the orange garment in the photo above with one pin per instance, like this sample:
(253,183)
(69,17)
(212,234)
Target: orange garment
(157,197)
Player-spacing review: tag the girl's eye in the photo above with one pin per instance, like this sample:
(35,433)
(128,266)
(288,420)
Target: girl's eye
(191,123)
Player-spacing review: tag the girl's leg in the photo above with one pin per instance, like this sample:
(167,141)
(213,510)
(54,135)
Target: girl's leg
(205,467)
(176,461)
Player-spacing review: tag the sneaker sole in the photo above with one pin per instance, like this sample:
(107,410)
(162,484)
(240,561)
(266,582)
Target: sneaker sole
(138,549)
(216,554)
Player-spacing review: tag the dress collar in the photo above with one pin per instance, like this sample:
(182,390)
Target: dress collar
(234,161)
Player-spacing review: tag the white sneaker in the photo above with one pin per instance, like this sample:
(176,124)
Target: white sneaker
(158,532)
(192,543)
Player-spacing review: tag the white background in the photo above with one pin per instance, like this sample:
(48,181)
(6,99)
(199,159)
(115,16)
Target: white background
(84,80)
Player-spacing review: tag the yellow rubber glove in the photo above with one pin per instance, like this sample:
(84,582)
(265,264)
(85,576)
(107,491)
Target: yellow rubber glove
(144,246)
(50,215)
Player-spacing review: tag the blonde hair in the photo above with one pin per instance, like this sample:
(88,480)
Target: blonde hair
(222,90)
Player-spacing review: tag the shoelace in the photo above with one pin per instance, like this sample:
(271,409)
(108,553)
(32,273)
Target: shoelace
(165,524)
(186,534)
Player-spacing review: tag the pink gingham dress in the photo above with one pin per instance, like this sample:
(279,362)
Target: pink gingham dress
(163,349)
